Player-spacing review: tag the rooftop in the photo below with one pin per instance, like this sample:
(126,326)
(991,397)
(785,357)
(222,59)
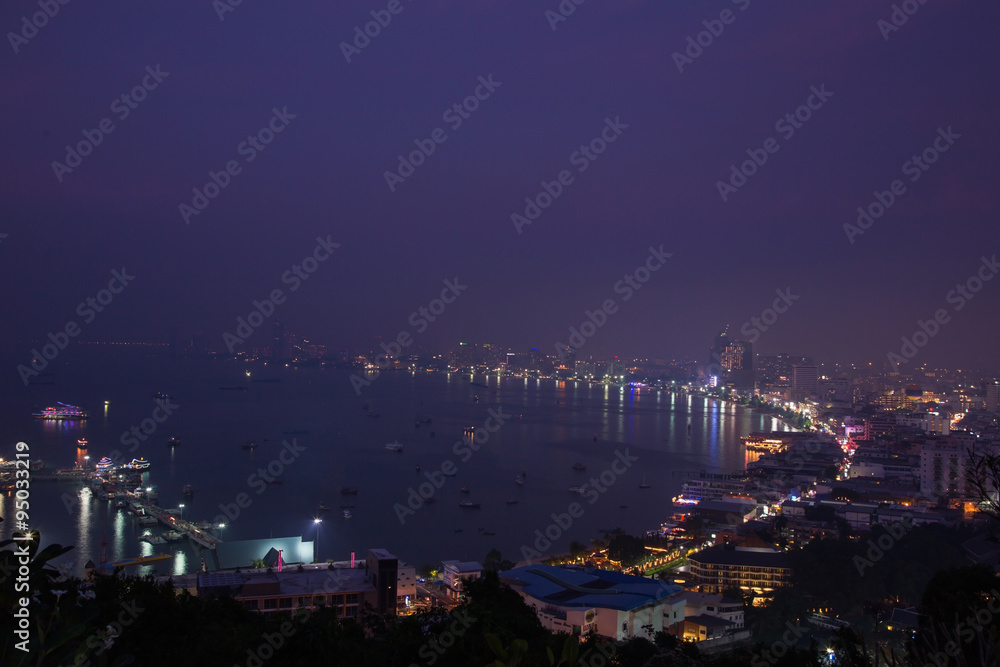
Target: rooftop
(586,587)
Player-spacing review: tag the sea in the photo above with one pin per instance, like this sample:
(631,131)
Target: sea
(315,432)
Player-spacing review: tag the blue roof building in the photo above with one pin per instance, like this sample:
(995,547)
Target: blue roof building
(579,600)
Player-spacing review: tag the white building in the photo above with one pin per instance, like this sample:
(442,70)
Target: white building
(582,601)
(456,573)
(942,468)
(710,618)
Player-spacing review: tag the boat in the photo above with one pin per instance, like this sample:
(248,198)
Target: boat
(623,507)
(346,506)
(137,464)
(488,532)
(512,501)
(422,419)
(643,484)
(464,489)
(148,520)
(188,490)
(162,396)
(152,539)
(173,442)
(469,504)
(418,467)
(347,514)
(373,414)
(249,444)
(595,437)
(576,489)
(173,535)
(429,501)
(233,388)
(475,399)
(322,507)
(519,480)
(273,481)
(296,432)
(349,491)
(579,466)
(105,464)
(394,446)
(63,413)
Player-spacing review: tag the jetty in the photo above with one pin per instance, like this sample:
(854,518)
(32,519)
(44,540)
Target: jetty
(186,528)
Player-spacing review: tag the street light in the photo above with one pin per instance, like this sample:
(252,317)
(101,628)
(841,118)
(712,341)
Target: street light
(317,521)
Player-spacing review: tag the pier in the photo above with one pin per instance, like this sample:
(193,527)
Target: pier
(188,529)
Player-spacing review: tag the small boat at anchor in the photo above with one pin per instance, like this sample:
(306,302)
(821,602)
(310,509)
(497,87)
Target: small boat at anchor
(469,504)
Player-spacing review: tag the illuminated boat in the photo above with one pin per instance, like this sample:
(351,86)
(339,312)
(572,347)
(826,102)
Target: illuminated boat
(105,464)
(137,464)
(64,412)
(81,443)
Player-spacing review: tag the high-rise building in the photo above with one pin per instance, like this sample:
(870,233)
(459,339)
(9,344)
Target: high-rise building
(732,360)
(992,396)
(805,379)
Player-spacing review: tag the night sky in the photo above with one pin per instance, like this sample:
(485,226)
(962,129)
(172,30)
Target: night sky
(323,175)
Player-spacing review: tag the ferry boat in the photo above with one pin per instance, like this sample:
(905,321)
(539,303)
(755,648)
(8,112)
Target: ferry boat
(81,443)
(137,464)
(394,446)
(65,412)
(18,464)
(468,504)
(105,464)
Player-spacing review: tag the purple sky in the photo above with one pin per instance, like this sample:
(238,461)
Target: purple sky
(656,184)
